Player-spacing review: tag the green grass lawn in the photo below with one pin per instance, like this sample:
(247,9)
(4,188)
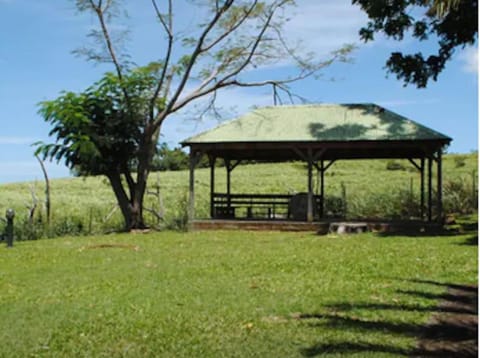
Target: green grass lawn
(225,293)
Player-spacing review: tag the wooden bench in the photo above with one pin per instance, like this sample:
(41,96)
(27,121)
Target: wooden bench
(251,206)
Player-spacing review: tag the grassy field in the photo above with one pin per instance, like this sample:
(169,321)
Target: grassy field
(225,294)
(371,190)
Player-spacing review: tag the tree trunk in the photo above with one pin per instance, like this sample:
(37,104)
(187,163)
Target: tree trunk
(136,214)
(122,198)
(131,208)
(131,204)
(136,207)
(145,156)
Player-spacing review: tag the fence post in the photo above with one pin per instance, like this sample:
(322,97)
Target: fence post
(344,198)
(10,214)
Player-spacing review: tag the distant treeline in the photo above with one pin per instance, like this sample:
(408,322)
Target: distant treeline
(171,159)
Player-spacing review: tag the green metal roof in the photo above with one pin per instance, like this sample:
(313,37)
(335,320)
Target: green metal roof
(318,122)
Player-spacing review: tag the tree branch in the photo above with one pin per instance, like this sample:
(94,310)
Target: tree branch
(199,92)
(257,41)
(100,14)
(130,182)
(196,52)
(232,29)
(47,188)
(224,81)
(169,30)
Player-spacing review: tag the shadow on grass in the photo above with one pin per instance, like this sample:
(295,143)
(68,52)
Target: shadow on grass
(452,330)
(396,307)
(469,226)
(471,241)
(447,285)
(420,231)
(351,348)
(463,299)
(465,225)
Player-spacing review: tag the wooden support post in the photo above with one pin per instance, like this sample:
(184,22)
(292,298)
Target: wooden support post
(229,170)
(422,188)
(329,164)
(212,161)
(191,191)
(414,163)
(322,188)
(310,188)
(429,189)
(439,187)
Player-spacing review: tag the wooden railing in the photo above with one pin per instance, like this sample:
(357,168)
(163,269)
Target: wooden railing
(255,206)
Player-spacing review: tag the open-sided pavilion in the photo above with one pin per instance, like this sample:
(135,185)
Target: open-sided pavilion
(319,135)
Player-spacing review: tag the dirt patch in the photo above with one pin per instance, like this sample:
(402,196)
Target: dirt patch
(453,332)
(111,246)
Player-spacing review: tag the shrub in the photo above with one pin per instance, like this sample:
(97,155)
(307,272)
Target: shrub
(460,196)
(334,207)
(67,226)
(26,230)
(400,204)
(394,165)
(179,219)
(33,230)
(459,161)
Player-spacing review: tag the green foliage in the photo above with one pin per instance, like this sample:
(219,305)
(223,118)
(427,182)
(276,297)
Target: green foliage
(178,220)
(26,230)
(35,230)
(334,207)
(166,159)
(459,161)
(107,129)
(453,26)
(169,159)
(460,195)
(230,294)
(392,204)
(99,130)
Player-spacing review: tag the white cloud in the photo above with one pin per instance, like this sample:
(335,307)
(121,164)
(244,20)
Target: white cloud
(324,26)
(405,102)
(15,140)
(469,57)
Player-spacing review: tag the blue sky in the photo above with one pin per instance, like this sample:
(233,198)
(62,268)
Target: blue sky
(37,37)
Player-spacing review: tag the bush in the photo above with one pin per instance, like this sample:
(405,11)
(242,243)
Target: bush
(67,226)
(27,230)
(166,159)
(179,219)
(460,196)
(334,207)
(459,161)
(400,204)
(394,165)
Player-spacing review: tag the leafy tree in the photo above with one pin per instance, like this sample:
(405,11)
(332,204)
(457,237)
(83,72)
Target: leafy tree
(101,131)
(169,159)
(114,125)
(452,23)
